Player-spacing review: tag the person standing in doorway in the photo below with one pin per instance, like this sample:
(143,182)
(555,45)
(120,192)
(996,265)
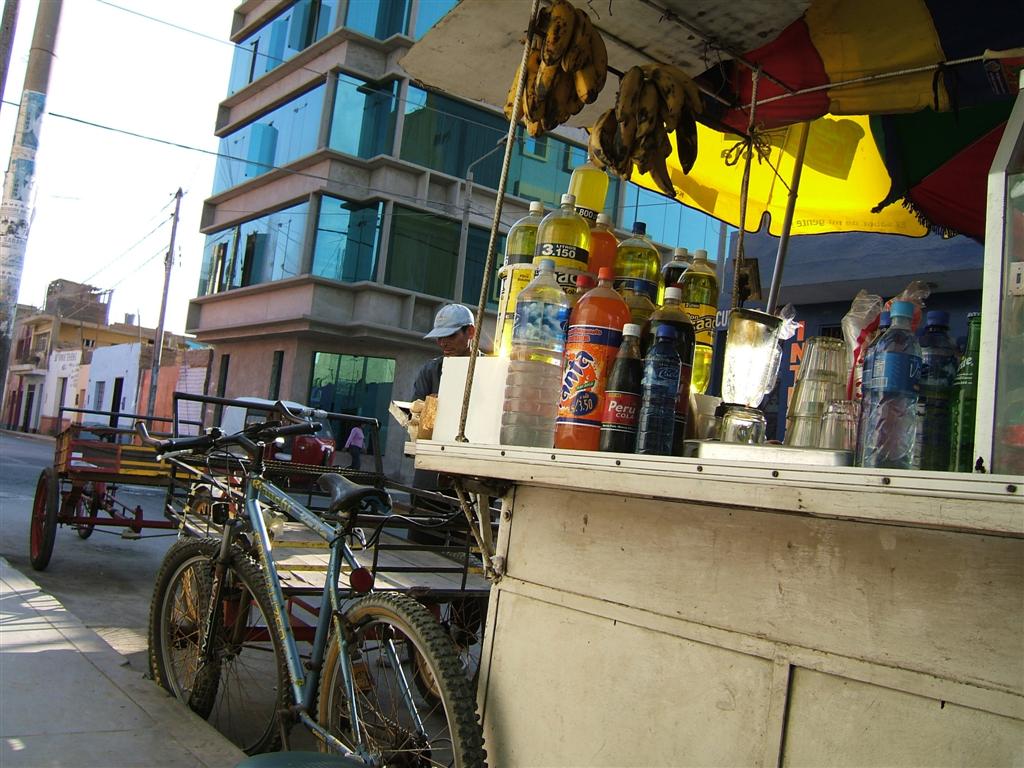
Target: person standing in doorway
(354,446)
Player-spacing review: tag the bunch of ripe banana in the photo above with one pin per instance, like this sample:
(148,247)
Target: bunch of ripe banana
(566,68)
(653,101)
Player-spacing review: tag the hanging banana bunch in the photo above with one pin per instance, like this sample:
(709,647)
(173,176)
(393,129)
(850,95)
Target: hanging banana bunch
(566,68)
(653,101)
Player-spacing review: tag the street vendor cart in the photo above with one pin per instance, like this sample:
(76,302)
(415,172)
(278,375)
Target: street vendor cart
(752,610)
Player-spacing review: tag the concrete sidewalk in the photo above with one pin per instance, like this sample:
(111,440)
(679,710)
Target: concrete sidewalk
(68,699)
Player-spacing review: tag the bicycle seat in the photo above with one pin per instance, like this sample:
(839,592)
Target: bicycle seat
(345,494)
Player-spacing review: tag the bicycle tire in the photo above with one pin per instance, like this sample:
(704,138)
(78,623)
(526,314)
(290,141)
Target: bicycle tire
(242,690)
(462,619)
(453,735)
(43,523)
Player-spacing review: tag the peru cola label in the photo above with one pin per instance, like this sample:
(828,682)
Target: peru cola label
(621,411)
(588,351)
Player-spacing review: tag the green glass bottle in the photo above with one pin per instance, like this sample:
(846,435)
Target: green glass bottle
(965,400)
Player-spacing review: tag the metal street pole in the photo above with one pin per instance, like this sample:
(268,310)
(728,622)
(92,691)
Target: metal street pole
(16,209)
(158,340)
(467,195)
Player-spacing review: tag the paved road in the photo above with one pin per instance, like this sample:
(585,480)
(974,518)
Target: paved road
(106,581)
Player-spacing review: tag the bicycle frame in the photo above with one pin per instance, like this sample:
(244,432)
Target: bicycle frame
(258,490)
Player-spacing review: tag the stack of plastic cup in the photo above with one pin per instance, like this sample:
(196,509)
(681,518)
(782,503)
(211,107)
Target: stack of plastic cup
(819,380)
(839,426)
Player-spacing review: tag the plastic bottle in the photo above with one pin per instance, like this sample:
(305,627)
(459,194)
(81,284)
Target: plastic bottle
(538,342)
(584,282)
(603,244)
(891,423)
(660,386)
(671,314)
(564,237)
(673,272)
(589,185)
(638,264)
(622,403)
(965,399)
(595,332)
(939,358)
(867,365)
(516,272)
(700,302)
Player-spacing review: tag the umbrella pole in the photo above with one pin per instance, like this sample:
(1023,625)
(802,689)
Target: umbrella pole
(787,222)
(737,266)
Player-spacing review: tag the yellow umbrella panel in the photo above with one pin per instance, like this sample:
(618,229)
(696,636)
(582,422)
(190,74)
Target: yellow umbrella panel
(843,177)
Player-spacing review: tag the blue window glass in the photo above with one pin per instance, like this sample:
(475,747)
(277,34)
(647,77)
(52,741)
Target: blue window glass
(347,238)
(292,30)
(669,222)
(258,251)
(271,141)
(378,18)
(356,385)
(428,13)
(363,122)
(422,252)
(476,259)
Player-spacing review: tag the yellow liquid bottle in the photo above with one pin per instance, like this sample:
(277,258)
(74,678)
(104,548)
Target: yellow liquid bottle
(564,237)
(589,185)
(516,272)
(700,302)
(638,265)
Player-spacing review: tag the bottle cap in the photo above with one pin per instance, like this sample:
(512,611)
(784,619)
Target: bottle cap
(639,228)
(665,332)
(631,329)
(937,317)
(901,309)
(680,254)
(606,273)
(546,265)
(700,255)
(536,206)
(972,315)
(584,282)
(884,319)
(568,199)
(604,218)
(674,293)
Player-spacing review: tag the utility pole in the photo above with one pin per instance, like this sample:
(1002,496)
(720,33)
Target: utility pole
(158,341)
(16,208)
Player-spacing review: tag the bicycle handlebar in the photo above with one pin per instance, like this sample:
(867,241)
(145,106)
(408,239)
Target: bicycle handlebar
(246,439)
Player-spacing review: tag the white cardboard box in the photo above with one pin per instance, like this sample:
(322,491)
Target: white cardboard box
(483,424)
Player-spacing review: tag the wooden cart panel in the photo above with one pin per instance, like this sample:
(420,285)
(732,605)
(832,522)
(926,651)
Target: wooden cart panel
(94,453)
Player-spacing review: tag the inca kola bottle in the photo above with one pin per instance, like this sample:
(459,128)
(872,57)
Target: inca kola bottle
(516,272)
(589,185)
(700,303)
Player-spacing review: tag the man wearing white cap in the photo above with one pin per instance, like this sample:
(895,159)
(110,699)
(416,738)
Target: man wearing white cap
(454,329)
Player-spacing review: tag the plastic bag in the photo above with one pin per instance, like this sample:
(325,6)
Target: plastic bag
(786,332)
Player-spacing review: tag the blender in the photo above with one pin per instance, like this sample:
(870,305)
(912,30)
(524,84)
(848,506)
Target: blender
(752,356)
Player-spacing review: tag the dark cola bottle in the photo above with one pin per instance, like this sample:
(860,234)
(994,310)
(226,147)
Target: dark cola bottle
(622,403)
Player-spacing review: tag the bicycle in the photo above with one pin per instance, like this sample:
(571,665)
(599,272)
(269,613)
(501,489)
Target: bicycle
(221,641)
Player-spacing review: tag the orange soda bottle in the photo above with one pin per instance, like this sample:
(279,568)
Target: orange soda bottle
(595,332)
(603,244)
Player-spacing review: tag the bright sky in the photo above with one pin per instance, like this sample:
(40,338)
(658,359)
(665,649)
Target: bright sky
(103,199)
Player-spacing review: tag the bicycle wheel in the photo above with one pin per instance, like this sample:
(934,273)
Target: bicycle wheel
(462,620)
(43,525)
(451,733)
(245,684)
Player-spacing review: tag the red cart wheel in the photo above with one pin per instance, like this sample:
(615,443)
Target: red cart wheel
(80,504)
(43,528)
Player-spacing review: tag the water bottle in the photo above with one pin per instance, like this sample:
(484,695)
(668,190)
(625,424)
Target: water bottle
(891,423)
(660,386)
(534,372)
(865,378)
(671,313)
(623,395)
(939,358)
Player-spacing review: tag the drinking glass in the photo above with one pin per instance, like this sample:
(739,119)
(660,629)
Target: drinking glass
(839,426)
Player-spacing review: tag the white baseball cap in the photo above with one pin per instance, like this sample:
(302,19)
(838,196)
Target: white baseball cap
(450,319)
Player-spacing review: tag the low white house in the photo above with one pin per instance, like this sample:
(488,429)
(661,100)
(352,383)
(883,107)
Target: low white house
(114,384)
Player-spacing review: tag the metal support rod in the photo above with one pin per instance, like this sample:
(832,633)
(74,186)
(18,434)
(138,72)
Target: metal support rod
(499,200)
(787,222)
(744,193)
(158,339)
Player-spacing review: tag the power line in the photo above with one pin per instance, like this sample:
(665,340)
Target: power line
(127,250)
